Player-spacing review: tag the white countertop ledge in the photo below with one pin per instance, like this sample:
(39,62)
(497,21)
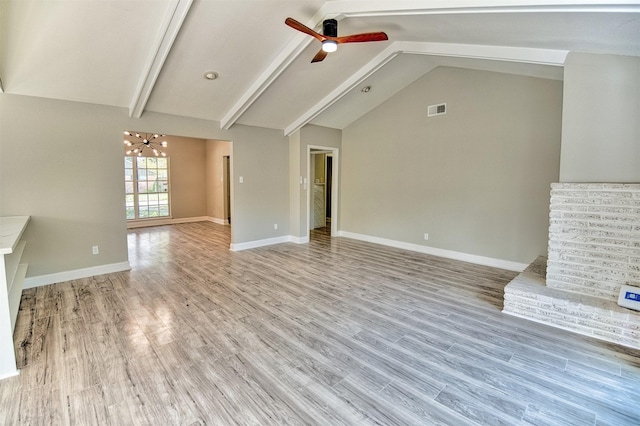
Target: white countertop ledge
(11,229)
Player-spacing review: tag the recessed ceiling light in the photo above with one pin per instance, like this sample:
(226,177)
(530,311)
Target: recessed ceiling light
(365,89)
(210,75)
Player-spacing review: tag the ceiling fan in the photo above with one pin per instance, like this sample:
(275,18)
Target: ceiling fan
(329,37)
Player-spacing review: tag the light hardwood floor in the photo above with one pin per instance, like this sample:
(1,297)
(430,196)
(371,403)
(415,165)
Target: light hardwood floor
(334,332)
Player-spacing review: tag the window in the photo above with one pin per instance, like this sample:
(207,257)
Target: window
(146,182)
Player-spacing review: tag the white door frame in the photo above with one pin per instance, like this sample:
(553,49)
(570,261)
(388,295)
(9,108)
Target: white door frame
(335,152)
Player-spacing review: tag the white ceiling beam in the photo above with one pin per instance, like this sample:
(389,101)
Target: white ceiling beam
(372,66)
(528,55)
(269,75)
(471,51)
(354,8)
(362,8)
(167,33)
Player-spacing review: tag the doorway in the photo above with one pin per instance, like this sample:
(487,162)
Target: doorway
(226,185)
(318,188)
(322,191)
(328,173)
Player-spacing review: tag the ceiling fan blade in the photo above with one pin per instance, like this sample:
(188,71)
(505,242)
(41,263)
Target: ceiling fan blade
(360,38)
(303,28)
(319,56)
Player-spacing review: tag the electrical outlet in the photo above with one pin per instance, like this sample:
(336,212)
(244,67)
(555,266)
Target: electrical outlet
(275,226)
(95,249)
(426,236)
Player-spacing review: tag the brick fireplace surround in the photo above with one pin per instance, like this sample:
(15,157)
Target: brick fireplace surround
(594,249)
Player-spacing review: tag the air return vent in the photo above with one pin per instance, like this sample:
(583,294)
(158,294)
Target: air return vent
(439,109)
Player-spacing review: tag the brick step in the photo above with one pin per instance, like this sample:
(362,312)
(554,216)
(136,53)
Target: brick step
(527,296)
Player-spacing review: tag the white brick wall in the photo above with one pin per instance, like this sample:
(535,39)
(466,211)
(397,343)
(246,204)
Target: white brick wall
(594,238)
(594,248)
(527,296)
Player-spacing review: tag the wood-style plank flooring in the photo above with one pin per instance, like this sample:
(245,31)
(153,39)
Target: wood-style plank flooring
(335,332)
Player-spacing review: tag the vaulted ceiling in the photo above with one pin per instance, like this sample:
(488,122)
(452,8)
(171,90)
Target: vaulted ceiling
(151,55)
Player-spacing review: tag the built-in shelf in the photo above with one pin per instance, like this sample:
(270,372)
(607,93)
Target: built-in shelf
(12,275)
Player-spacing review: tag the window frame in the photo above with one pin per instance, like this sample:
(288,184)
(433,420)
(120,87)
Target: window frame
(136,184)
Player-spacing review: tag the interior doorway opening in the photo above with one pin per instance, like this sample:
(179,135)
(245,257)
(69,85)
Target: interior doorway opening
(179,180)
(329,174)
(226,184)
(322,193)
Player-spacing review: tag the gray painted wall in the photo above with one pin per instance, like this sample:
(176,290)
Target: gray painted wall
(476,179)
(61,163)
(261,157)
(601,119)
(295,188)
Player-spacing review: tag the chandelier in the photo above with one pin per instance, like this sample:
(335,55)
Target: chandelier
(143,141)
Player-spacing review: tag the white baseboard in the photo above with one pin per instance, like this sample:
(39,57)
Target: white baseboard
(449,254)
(259,243)
(298,240)
(269,241)
(75,274)
(217,220)
(172,221)
(11,374)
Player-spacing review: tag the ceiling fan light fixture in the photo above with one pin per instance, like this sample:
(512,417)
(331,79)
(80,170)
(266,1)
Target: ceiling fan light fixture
(329,36)
(329,46)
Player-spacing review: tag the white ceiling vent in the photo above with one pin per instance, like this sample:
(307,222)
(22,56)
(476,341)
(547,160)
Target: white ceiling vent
(439,109)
